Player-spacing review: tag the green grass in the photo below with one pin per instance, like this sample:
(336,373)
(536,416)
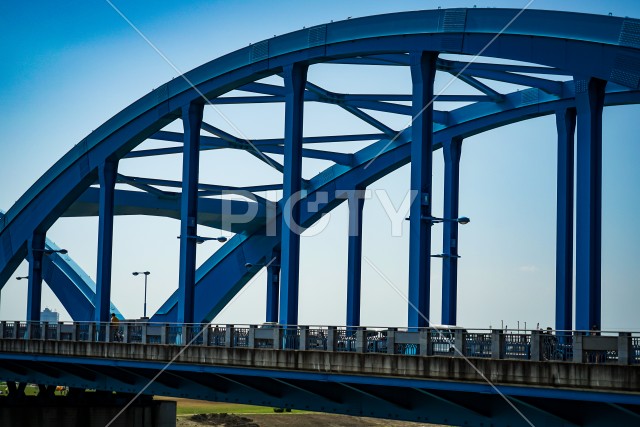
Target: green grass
(187,406)
(190,407)
(30,389)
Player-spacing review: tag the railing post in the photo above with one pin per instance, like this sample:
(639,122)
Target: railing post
(125,333)
(424,341)
(107,330)
(578,353)
(361,340)
(205,334)
(43,330)
(144,329)
(59,331)
(332,336)
(229,334)
(304,334)
(497,344)
(459,344)
(184,332)
(536,345)
(74,332)
(28,333)
(625,355)
(163,334)
(278,332)
(252,336)
(391,340)
(92,332)
(2,325)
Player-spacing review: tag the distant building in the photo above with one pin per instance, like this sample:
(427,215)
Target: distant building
(50,316)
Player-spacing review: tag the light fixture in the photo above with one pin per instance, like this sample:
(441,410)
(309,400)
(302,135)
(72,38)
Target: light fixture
(435,220)
(199,239)
(52,251)
(146,273)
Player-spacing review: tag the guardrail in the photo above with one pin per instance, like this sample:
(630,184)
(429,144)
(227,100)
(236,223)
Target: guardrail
(536,345)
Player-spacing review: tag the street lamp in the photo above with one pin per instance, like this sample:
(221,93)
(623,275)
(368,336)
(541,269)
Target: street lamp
(435,220)
(445,256)
(146,273)
(250,265)
(52,251)
(199,239)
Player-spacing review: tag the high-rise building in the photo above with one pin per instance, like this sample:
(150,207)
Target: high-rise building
(50,316)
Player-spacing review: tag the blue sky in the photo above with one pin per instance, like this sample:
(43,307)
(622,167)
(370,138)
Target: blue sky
(67,69)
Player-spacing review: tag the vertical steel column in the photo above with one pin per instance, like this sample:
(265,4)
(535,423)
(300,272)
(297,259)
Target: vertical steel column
(273,287)
(354,257)
(295,77)
(107,173)
(191,120)
(566,127)
(34,292)
(589,103)
(423,69)
(451,150)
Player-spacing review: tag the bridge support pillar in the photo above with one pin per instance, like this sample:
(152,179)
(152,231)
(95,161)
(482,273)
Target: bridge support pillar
(273,287)
(191,120)
(589,103)
(354,257)
(423,69)
(107,173)
(451,150)
(566,127)
(34,292)
(295,77)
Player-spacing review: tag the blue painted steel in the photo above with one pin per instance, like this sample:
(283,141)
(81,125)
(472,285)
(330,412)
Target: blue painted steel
(219,280)
(557,38)
(450,242)
(71,285)
(337,378)
(423,69)
(589,104)
(566,127)
(192,119)
(295,77)
(34,292)
(273,287)
(107,176)
(354,257)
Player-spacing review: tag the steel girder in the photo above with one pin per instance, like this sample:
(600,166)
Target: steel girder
(570,44)
(451,403)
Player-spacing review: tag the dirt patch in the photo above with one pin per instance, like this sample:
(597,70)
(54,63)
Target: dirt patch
(226,420)
(289,420)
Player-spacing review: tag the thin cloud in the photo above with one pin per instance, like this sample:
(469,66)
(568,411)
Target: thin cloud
(528,268)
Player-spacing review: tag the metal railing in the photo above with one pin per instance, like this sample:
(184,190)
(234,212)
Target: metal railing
(559,346)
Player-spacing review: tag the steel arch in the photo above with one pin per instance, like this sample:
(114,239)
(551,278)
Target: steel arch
(558,41)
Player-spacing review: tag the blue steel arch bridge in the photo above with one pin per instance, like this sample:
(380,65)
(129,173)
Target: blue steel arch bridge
(568,65)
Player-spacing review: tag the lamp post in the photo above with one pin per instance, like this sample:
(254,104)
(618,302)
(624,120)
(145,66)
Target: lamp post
(17,278)
(52,251)
(146,273)
(435,220)
(200,239)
